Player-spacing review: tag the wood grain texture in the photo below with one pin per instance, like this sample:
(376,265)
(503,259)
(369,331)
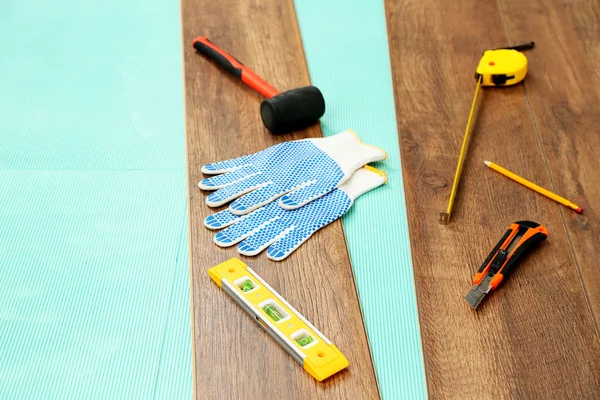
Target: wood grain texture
(564,94)
(535,336)
(234,358)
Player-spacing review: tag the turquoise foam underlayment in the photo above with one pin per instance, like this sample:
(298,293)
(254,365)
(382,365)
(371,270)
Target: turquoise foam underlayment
(94,278)
(346,47)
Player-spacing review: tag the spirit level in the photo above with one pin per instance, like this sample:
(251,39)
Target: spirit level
(309,347)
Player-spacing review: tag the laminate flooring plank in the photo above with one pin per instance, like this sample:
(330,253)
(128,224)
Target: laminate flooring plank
(233,357)
(564,95)
(534,337)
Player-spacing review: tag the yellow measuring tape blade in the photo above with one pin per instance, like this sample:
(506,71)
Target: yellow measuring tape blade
(445,216)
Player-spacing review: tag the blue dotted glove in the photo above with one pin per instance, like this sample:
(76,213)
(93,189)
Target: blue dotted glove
(283,231)
(298,171)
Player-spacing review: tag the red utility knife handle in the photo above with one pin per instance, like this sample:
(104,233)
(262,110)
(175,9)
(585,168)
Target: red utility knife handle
(233,66)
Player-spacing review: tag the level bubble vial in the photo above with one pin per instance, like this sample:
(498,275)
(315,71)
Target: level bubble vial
(246,284)
(274,310)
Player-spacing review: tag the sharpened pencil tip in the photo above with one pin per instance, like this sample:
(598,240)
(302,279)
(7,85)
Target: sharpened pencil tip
(487,163)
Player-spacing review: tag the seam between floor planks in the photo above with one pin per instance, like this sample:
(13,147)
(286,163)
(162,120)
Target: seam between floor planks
(405,20)
(222,118)
(561,209)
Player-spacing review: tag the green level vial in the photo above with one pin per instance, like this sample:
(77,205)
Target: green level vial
(247,285)
(304,341)
(273,313)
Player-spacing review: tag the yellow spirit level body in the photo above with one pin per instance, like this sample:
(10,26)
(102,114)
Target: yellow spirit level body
(309,347)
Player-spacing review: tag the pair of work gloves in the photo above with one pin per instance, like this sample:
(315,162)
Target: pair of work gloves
(284,194)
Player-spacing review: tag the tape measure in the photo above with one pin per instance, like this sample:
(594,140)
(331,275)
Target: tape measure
(499,67)
(504,66)
(309,347)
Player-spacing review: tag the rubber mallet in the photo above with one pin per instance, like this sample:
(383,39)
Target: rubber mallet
(281,112)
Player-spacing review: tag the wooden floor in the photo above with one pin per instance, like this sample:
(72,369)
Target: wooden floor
(537,336)
(234,358)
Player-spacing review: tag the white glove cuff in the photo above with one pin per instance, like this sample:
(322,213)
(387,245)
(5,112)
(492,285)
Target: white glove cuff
(363,180)
(348,151)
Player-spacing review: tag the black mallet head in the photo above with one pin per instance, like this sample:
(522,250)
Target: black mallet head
(292,110)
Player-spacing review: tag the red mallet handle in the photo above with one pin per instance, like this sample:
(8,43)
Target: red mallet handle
(233,66)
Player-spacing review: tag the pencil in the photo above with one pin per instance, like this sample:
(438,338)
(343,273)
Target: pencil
(535,187)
